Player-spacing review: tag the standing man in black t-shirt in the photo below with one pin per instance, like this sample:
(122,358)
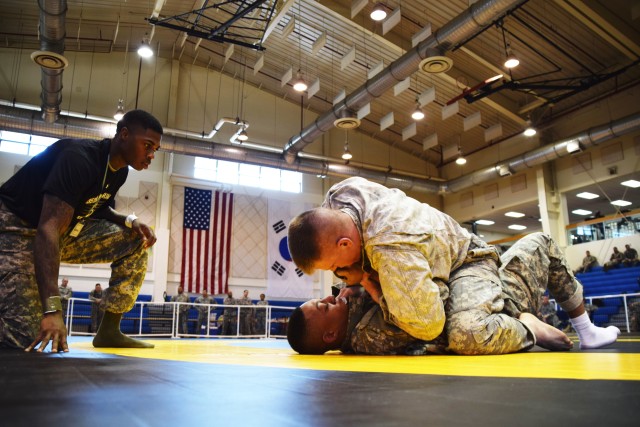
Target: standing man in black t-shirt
(59,208)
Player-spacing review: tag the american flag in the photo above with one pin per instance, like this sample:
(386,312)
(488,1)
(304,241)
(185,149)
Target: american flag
(206,241)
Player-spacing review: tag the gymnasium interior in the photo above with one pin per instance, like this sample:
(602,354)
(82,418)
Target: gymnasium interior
(511,116)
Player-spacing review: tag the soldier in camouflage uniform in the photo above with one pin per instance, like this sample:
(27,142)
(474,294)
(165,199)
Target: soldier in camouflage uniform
(435,277)
(58,208)
(261,315)
(65,294)
(203,311)
(183,310)
(97,312)
(246,314)
(360,327)
(230,316)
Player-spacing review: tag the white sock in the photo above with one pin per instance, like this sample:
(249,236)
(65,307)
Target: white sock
(592,336)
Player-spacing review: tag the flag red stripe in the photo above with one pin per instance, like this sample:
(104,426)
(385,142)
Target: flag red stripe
(184,245)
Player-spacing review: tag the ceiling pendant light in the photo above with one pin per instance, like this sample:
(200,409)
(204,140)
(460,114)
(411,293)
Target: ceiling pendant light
(347,154)
(299,85)
(460,160)
(529,130)
(145,50)
(417,114)
(120,110)
(243,136)
(512,60)
(378,13)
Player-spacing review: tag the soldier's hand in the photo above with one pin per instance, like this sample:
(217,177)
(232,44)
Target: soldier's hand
(145,232)
(348,291)
(52,329)
(372,285)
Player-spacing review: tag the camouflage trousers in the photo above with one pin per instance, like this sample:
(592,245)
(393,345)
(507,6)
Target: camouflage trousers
(100,241)
(488,294)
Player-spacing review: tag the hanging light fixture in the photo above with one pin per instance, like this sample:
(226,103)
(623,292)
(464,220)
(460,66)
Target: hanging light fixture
(299,85)
(347,154)
(529,130)
(120,110)
(512,60)
(378,13)
(145,51)
(460,160)
(417,114)
(243,136)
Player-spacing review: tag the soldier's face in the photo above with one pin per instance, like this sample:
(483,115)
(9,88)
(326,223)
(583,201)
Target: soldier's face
(343,258)
(351,275)
(327,316)
(140,146)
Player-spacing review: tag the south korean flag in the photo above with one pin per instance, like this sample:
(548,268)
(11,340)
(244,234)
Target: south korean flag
(284,279)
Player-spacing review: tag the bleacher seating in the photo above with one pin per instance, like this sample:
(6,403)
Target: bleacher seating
(616,281)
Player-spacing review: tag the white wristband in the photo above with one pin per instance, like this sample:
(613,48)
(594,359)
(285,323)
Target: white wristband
(129,220)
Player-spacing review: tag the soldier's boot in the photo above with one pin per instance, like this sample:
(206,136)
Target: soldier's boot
(109,334)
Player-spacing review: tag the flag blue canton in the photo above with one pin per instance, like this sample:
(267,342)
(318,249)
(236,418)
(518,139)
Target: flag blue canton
(197,208)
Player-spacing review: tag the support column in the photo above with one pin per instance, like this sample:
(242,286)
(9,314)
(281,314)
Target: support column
(163,231)
(550,204)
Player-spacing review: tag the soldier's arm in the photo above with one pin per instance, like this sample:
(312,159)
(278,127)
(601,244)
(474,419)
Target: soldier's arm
(54,220)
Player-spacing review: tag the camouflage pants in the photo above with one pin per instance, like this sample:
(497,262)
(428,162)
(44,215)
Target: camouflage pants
(488,294)
(100,241)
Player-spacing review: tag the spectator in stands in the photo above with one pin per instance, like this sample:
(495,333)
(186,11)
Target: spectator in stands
(230,316)
(65,294)
(614,261)
(183,310)
(588,262)
(630,256)
(261,315)
(548,313)
(246,314)
(203,311)
(97,312)
(435,277)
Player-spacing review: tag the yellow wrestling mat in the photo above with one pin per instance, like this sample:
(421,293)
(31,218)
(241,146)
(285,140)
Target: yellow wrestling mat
(587,365)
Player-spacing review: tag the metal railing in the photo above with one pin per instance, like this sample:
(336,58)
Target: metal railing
(153,319)
(627,317)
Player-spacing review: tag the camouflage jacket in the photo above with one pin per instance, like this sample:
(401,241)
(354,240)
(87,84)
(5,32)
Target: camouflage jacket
(413,247)
(369,333)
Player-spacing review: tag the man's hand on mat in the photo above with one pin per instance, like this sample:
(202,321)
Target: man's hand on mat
(52,329)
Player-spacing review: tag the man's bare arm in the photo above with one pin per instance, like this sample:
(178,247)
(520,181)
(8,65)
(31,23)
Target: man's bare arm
(54,220)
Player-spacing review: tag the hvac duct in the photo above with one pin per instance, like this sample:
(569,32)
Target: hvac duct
(465,25)
(24,120)
(49,57)
(588,138)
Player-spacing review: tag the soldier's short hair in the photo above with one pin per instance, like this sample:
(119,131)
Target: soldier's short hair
(139,119)
(297,334)
(303,240)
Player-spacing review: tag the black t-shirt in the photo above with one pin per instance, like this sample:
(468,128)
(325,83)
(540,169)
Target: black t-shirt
(74,170)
